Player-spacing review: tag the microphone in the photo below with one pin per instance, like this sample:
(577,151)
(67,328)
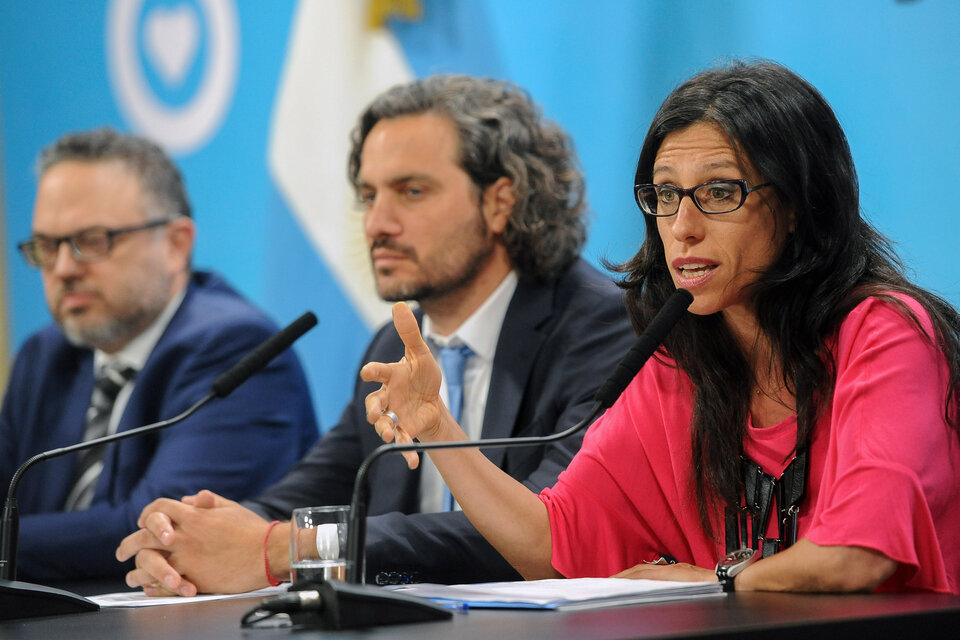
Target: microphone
(330,600)
(260,356)
(332,604)
(25,600)
(655,333)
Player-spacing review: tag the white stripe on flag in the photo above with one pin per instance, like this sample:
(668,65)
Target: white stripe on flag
(335,65)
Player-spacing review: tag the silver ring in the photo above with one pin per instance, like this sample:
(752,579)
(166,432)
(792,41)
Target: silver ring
(392,416)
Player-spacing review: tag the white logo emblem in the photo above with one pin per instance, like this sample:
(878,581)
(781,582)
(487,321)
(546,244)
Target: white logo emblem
(173,45)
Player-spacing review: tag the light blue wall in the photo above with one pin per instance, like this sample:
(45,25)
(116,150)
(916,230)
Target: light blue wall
(600,68)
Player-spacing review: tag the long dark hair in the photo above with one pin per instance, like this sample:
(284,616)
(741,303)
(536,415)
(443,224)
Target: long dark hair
(831,260)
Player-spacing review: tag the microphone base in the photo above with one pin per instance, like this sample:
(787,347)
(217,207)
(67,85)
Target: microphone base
(359,606)
(26,600)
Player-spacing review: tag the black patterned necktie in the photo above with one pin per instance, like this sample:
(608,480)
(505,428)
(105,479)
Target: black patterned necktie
(109,381)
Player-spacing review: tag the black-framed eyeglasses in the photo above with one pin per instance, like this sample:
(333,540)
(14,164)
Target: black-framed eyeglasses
(88,245)
(716,196)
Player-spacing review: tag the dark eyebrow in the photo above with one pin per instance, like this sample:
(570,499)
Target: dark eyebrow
(712,166)
(410,177)
(34,234)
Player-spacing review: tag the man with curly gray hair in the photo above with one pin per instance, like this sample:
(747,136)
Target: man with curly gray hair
(501,133)
(472,207)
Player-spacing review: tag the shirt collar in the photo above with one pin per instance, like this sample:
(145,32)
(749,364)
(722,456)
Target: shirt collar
(481,330)
(136,352)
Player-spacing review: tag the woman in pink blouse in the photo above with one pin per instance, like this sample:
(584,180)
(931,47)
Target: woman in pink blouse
(806,406)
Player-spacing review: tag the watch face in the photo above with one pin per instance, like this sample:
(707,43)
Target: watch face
(732,564)
(737,556)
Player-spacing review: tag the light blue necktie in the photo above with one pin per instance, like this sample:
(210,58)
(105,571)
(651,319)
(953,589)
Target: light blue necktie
(453,360)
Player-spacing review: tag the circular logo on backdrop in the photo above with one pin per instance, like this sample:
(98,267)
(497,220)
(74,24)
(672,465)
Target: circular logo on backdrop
(173,67)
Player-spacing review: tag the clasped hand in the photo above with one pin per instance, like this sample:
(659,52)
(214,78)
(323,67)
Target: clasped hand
(204,543)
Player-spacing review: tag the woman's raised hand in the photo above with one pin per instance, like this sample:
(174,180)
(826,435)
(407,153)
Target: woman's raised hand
(407,405)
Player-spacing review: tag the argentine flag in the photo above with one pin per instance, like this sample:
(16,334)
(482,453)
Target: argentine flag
(340,56)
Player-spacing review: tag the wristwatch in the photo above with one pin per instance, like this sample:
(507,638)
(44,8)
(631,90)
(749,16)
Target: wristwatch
(732,564)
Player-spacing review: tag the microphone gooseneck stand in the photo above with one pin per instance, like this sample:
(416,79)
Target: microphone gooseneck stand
(26,600)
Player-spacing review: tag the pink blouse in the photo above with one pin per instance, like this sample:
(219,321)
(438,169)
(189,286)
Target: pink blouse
(883,474)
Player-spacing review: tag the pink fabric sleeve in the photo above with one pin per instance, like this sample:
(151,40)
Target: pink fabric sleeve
(625,499)
(887,484)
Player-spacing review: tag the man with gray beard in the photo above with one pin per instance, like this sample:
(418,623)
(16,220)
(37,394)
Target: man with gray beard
(138,338)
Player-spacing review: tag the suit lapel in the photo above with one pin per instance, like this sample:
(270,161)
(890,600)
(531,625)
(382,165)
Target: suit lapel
(520,341)
(119,475)
(69,420)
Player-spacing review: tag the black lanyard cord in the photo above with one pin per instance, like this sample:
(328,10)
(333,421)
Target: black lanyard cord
(759,489)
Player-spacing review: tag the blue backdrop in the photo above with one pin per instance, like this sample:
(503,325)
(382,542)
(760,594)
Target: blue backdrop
(254,99)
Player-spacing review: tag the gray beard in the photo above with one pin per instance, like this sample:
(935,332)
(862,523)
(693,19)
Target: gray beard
(113,334)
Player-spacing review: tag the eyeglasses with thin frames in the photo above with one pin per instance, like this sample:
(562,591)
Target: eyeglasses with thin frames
(716,196)
(88,245)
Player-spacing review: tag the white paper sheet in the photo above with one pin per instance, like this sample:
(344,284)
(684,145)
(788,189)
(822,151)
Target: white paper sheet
(139,599)
(579,593)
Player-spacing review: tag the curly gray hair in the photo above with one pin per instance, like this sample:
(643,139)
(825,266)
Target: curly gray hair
(502,133)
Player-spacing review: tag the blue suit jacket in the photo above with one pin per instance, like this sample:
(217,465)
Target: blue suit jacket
(558,343)
(235,446)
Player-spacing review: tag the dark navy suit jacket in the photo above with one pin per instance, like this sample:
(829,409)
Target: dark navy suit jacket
(558,343)
(235,446)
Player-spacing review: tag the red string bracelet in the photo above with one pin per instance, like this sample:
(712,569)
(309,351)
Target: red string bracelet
(273,582)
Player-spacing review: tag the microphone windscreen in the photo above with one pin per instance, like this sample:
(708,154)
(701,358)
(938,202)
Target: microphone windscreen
(644,347)
(259,357)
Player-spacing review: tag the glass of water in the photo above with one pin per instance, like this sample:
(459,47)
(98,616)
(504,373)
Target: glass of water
(318,543)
